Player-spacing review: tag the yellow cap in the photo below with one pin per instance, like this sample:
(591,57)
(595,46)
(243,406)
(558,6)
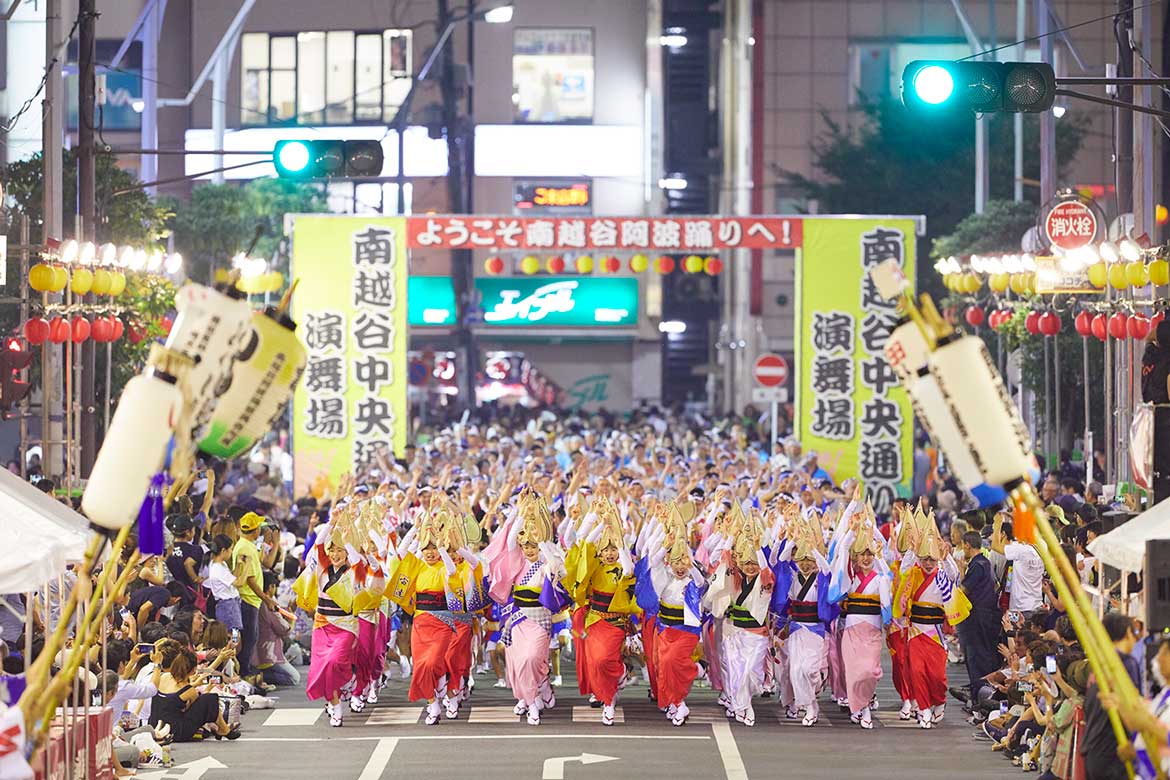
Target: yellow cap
(251,521)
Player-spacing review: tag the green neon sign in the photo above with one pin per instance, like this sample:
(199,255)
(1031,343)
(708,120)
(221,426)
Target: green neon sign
(430,301)
(558,301)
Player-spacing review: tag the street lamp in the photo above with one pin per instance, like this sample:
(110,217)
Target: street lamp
(499,15)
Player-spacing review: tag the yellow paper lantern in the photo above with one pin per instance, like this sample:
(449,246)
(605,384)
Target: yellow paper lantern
(1117,277)
(998,282)
(584,264)
(40,277)
(530,264)
(1160,272)
(1029,282)
(1018,283)
(101,282)
(117,283)
(693,264)
(1098,275)
(275,280)
(1136,274)
(222,275)
(972,282)
(82,281)
(60,279)
(639,263)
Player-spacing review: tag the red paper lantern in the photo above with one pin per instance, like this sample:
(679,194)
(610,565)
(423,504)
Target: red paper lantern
(664,264)
(102,330)
(1100,327)
(36,331)
(1139,327)
(1084,324)
(556,264)
(58,330)
(1118,325)
(1032,323)
(1156,320)
(494,266)
(611,265)
(975,316)
(119,328)
(80,329)
(1049,323)
(713,266)
(167,323)
(137,332)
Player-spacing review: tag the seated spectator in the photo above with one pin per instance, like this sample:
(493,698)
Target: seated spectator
(185,708)
(274,628)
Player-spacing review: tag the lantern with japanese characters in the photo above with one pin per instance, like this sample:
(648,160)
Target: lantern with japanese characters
(262,382)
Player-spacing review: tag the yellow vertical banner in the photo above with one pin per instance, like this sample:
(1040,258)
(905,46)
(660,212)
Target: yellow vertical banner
(350,306)
(850,408)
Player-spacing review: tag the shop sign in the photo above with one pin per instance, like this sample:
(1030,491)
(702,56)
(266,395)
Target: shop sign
(550,301)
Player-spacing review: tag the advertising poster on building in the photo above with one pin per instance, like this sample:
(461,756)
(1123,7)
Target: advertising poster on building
(850,407)
(351,309)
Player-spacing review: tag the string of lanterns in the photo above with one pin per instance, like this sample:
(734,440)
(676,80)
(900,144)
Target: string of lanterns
(254,276)
(87,268)
(1103,321)
(609,264)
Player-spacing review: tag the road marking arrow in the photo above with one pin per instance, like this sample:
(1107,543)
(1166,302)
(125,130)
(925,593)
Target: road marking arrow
(554,768)
(192,770)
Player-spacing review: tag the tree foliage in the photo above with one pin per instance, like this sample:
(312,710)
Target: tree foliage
(997,230)
(221,220)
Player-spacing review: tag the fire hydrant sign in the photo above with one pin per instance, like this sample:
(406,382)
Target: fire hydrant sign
(1070,225)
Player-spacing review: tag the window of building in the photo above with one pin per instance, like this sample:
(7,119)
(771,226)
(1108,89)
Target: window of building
(876,67)
(552,75)
(337,77)
(366,197)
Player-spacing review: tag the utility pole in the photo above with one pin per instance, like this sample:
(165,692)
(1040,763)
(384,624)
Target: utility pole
(52,133)
(87,213)
(1047,120)
(458,184)
(1124,117)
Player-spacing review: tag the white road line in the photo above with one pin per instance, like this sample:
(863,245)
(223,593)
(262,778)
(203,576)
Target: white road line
(588,714)
(299,716)
(493,715)
(606,736)
(728,751)
(379,759)
(394,716)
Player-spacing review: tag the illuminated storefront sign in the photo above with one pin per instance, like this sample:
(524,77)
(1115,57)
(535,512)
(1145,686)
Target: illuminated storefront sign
(559,301)
(553,197)
(430,301)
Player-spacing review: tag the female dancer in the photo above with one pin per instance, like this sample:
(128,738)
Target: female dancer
(525,568)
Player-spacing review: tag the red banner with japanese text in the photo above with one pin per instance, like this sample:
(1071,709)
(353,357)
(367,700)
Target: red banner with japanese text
(652,234)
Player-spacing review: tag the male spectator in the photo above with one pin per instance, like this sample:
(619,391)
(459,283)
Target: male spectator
(1050,489)
(1098,744)
(979,634)
(246,563)
(1093,493)
(146,604)
(1026,575)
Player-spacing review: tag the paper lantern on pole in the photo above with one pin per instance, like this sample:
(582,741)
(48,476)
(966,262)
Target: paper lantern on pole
(584,264)
(1083,324)
(1139,327)
(1160,272)
(119,328)
(713,266)
(40,277)
(1117,277)
(610,264)
(1099,275)
(59,330)
(79,329)
(1136,274)
(60,279)
(82,281)
(1100,327)
(101,282)
(639,263)
(1118,325)
(664,264)
(1156,320)
(693,264)
(102,330)
(975,316)
(530,264)
(1032,323)
(999,282)
(117,283)
(494,266)
(136,332)
(1049,323)
(556,264)
(36,331)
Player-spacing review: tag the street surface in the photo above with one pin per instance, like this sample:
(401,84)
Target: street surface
(389,740)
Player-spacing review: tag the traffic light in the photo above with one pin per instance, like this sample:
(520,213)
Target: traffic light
(327,159)
(978,86)
(14,358)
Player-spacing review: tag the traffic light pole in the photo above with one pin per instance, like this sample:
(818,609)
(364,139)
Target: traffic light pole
(87,221)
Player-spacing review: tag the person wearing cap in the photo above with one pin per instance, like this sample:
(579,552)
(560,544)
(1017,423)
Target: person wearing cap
(186,560)
(246,562)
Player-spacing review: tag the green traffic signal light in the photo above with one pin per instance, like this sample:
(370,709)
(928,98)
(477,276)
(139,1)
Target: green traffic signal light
(327,159)
(292,159)
(934,84)
(949,86)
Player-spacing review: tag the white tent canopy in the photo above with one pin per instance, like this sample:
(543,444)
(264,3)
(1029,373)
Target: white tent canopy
(38,535)
(1125,546)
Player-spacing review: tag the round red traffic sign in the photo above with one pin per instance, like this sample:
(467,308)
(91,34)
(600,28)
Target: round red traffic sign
(1070,225)
(770,370)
